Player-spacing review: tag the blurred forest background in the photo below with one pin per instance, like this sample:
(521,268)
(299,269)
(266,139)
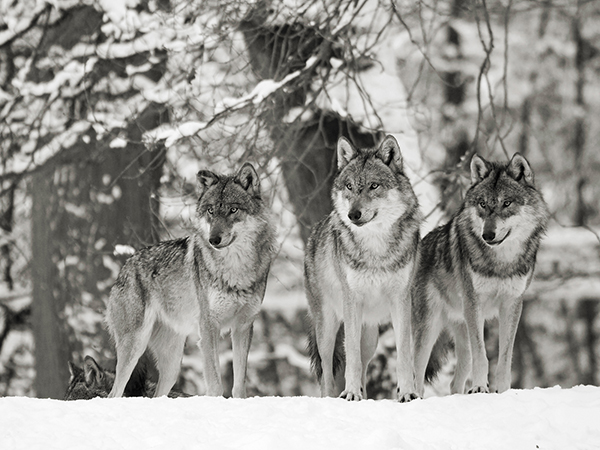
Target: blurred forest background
(108,108)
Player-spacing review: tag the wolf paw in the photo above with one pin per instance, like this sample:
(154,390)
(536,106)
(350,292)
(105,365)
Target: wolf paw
(351,395)
(405,398)
(478,390)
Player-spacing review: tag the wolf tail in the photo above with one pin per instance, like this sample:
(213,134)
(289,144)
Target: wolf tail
(439,356)
(315,358)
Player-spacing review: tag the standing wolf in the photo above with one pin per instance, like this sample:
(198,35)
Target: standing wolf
(359,265)
(478,266)
(213,279)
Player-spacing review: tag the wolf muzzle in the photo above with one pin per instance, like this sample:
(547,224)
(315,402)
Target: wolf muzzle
(491,238)
(358,218)
(355,216)
(219,240)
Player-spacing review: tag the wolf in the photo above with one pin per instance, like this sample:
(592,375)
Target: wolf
(358,267)
(94,381)
(476,267)
(214,279)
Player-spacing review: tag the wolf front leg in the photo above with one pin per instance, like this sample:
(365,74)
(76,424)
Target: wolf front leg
(241,338)
(352,337)
(401,321)
(209,348)
(510,314)
(462,348)
(475,325)
(326,330)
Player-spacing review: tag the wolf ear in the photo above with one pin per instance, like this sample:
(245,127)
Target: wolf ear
(480,169)
(518,168)
(345,152)
(206,179)
(74,371)
(248,179)
(92,371)
(389,153)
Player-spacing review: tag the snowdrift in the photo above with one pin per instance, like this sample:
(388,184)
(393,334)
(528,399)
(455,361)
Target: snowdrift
(552,418)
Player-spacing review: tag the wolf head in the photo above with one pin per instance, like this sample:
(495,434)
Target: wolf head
(89,382)
(371,187)
(503,202)
(226,203)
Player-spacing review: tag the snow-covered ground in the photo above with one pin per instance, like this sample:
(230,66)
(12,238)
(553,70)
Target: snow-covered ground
(519,419)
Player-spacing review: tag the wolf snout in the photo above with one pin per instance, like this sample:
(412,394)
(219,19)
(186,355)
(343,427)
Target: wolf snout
(355,215)
(219,241)
(492,239)
(488,236)
(215,241)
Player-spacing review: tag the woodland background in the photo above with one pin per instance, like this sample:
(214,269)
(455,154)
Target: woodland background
(108,108)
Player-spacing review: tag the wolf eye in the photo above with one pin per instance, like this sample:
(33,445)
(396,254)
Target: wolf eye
(233,210)
(482,204)
(507,203)
(348,186)
(210,210)
(374,185)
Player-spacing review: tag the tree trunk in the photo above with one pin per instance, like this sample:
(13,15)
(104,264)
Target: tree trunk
(307,153)
(306,149)
(81,209)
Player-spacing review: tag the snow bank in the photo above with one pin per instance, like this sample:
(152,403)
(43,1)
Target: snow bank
(519,419)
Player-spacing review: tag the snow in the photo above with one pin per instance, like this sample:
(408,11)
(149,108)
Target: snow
(262,90)
(172,133)
(121,249)
(518,419)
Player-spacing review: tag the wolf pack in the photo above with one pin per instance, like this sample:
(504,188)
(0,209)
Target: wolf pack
(365,265)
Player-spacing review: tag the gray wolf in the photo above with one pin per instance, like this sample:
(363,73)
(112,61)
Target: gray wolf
(475,267)
(94,381)
(358,268)
(214,280)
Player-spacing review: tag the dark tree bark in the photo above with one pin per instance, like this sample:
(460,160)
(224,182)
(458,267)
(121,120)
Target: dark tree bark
(81,209)
(6,224)
(306,149)
(582,55)
(454,95)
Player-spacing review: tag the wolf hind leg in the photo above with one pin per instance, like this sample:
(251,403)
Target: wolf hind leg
(426,330)
(130,348)
(462,349)
(368,345)
(167,347)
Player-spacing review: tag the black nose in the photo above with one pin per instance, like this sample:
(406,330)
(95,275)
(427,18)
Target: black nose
(488,236)
(215,240)
(354,215)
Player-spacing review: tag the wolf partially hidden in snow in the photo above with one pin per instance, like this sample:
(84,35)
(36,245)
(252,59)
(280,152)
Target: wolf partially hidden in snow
(359,265)
(476,267)
(214,279)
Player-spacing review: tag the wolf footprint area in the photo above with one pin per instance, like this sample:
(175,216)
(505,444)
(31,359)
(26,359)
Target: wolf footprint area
(552,418)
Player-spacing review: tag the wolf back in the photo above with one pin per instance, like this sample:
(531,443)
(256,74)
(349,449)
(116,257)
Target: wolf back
(475,267)
(214,279)
(359,264)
